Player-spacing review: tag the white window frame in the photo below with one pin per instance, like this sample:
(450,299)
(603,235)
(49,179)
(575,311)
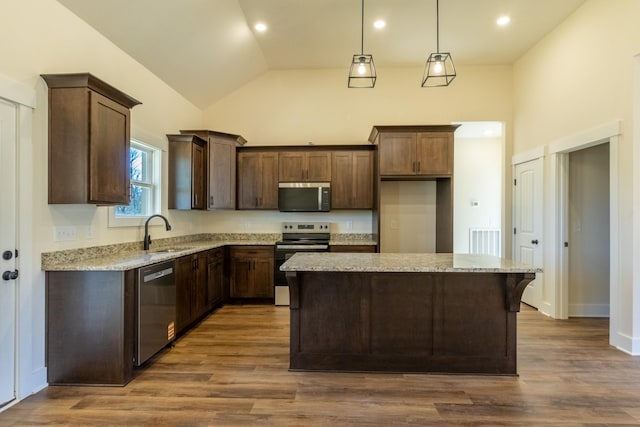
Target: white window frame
(155,167)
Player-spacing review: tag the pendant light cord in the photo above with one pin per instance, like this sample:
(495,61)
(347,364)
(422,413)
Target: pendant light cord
(437,26)
(362,31)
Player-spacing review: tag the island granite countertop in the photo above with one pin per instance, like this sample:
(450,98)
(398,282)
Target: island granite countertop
(409,263)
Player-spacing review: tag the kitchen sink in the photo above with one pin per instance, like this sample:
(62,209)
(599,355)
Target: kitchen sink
(170,250)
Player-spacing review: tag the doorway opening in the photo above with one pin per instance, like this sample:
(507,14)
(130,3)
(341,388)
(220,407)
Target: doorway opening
(557,259)
(588,232)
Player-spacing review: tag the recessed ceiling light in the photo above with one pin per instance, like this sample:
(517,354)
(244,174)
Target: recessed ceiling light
(503,20)
(260,27)
(379,24)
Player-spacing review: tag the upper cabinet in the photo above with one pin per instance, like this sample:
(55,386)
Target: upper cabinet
(89,138)
(304,166)
(352,180)
(187,170)
(415,150)
(221,167)
(258,180)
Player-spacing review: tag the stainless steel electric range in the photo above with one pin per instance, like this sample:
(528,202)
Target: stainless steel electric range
(297,237)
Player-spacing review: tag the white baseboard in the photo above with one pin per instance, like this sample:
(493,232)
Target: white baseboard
(588,310)
(627,344)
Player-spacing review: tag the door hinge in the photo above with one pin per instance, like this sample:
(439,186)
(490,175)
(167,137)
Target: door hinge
(515,181)
(514,230)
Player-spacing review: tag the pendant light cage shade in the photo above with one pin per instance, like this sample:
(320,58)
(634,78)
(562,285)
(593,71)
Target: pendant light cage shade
(362,73)
(439,70)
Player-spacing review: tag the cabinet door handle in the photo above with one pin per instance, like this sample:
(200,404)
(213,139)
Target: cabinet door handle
(211,201)
(418,170)
(413,167)
(196,199)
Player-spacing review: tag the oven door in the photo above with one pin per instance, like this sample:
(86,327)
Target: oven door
(282,253)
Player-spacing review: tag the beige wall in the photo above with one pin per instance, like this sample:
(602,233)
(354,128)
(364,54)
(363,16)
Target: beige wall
(298,106)
(408,216)
(580,77)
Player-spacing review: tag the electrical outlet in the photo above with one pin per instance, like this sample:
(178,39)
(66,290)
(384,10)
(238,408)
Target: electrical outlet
(65,233)
(349,225)
(88,232)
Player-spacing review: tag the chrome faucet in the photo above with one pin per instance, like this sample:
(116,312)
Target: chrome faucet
(147,238)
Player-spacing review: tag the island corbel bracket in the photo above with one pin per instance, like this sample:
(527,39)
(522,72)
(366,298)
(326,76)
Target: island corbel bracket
(516,284)
(294,290)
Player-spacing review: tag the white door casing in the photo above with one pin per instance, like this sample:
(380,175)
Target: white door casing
(8,123)
(527,222)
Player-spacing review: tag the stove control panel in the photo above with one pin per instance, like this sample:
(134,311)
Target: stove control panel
(306,227)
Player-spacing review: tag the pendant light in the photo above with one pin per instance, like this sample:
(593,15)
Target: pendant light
(362,73)
(439,70)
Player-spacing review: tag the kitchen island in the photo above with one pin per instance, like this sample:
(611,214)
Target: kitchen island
(441,313)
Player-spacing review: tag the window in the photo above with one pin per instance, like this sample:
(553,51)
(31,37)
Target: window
(145,187)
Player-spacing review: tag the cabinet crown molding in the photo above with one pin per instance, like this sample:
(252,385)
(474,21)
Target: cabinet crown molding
(409,128)
(76,80)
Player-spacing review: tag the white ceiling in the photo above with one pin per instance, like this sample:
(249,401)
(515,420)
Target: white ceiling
(205,49)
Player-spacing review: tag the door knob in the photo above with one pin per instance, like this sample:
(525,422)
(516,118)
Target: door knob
(534,242)
(10,275)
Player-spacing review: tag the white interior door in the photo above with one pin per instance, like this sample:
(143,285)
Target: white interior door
(527,221)
(8,114)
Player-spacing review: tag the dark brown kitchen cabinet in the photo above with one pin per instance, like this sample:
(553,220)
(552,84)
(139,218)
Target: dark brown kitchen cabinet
(304,166)
(191,289)
(221,167)
(258,180)
(352,180)
(251,272)
(410,153)
(215,277)
(187,169)
(90,324)
(89,139)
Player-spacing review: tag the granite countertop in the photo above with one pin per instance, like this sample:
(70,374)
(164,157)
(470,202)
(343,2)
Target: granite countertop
(127,256)
(337,241)
(406,263)
(127,260)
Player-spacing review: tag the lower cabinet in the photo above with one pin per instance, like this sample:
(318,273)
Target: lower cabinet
(191,289)
(90,321)
(251,272)
(215,277)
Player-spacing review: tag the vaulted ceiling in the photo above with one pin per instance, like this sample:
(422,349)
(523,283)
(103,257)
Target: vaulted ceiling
(206,49)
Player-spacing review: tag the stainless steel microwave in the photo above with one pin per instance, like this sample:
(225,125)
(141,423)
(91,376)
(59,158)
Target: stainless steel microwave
(304,196)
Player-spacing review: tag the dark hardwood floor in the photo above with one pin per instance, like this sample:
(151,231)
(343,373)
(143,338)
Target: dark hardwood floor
(232,370)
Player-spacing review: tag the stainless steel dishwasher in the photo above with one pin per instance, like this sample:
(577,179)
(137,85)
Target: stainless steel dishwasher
(156,315)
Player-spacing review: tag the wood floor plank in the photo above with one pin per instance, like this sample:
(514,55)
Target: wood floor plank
(232,370)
